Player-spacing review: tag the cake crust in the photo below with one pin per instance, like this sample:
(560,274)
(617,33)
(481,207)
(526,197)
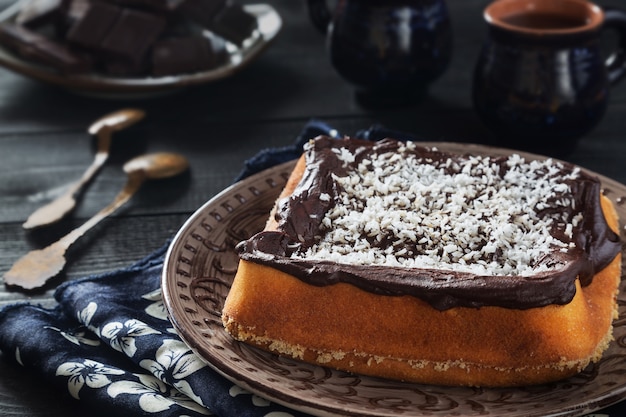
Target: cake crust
(405,338)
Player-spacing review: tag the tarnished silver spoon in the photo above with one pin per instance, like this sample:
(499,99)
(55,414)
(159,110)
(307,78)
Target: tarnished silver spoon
(36,267)
(103,128)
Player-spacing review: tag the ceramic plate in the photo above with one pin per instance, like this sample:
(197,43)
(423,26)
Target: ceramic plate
(199,269)
(94,84)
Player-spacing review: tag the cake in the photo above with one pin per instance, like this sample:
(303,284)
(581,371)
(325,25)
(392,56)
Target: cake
(399,261)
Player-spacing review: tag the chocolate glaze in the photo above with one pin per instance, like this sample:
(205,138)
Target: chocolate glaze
(596,243)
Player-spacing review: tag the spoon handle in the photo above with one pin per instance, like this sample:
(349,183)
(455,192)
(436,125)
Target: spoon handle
(35,268)
(133,183)
(59,207)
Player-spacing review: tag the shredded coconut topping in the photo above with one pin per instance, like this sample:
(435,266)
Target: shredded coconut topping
(468,214)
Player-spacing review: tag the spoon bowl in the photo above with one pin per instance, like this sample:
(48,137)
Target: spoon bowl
(116,121)
(157,165)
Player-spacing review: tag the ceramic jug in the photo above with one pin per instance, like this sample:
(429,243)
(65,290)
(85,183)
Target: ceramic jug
(386,48)
(542,80)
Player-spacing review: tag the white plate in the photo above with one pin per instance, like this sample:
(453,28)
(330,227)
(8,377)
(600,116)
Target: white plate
(200,266)
(100,85)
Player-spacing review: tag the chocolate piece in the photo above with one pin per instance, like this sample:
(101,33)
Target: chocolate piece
(158,5)
(182,55)
(91,29)
(37,13)
(234,24)
(76,10)
(124,67)
(132,34)
(201,12)
(36,47)
(73,12)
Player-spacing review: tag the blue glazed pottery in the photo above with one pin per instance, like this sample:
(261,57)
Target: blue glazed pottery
(386,48)
(541,81)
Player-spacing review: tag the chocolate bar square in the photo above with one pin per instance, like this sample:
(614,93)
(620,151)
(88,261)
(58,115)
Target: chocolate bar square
(132,34)
(158,5)
(234,24)
(187,54)
(181,55)
(38,48)
(36,13)
(202,12)
(91,29)
(76,10)
(123,67)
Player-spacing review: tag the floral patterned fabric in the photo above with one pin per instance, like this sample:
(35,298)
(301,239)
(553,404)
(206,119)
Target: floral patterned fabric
(109,343)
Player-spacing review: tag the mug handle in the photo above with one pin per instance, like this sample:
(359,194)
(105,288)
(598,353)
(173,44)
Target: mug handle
(616,63)
(319,14)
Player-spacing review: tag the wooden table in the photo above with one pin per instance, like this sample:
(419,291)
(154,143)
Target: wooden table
(44,146)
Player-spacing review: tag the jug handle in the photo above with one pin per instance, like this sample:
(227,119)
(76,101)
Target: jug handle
(616,63)
(319,14)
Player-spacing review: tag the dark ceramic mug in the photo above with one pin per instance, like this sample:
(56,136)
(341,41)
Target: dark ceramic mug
(386,48)
(541,81)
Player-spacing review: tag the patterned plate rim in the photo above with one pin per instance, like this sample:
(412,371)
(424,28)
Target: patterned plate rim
(200,331)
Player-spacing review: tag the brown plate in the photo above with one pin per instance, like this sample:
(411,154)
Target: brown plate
(103,86)
(200,266)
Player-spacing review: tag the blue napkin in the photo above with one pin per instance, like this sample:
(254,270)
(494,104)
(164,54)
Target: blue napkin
(109,344)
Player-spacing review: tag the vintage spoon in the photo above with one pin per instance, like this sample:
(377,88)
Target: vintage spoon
(103,128)
(36,267)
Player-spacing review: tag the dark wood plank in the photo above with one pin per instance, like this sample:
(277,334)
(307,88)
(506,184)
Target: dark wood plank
(44,146)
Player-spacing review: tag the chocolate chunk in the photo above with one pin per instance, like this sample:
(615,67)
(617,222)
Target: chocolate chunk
(73,11)
(132,34)
(36,13)
(76,10)
(125,67)
(159,5)
(91,29)
(201,12)
(234,24)
(185,55)
(180,55)
(36,47)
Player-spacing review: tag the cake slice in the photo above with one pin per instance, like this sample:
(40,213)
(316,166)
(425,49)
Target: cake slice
(404,262)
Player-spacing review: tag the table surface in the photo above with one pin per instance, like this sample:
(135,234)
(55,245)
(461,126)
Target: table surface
(44,146)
